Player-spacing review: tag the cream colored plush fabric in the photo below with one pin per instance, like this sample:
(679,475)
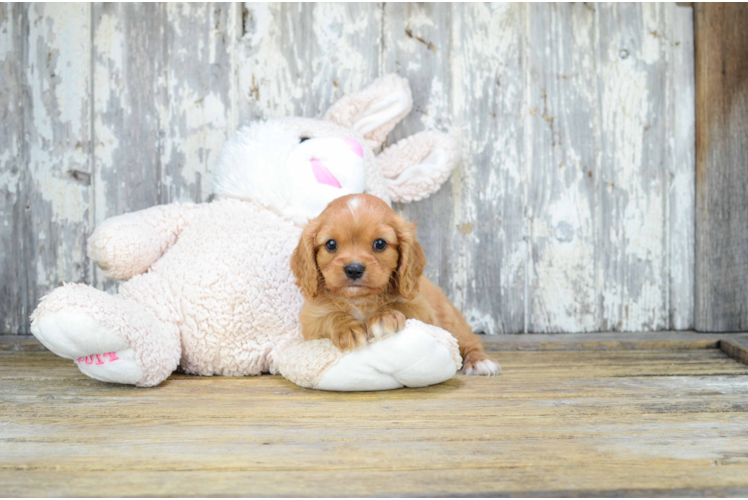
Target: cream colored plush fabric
(420,355)
(209,287)
(374,111)
(217,301)
(417,166)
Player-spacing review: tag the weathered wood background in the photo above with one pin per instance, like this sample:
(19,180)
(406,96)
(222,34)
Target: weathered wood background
(722,167)
(573,209)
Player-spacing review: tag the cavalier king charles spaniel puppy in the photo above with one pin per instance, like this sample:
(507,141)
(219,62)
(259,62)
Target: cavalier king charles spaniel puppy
(360,269)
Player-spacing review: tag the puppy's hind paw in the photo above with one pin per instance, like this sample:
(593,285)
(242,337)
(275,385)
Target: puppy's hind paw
(480,364)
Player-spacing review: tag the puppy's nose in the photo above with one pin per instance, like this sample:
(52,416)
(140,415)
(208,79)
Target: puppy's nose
(354,271)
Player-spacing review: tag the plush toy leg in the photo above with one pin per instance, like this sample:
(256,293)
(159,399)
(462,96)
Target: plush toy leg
(111,338)
(417,356)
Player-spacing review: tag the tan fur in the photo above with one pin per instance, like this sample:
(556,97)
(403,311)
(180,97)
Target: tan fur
(392,289)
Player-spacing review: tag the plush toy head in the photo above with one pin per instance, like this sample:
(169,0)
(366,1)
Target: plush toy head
(296,166)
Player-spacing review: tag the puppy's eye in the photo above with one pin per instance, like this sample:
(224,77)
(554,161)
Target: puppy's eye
(302,139)
(379,245)
(331,245)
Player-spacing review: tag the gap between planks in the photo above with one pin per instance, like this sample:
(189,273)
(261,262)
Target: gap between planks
(734,345)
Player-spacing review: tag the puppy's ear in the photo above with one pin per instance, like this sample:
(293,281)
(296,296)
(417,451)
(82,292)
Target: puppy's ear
(412,259)
(304,262)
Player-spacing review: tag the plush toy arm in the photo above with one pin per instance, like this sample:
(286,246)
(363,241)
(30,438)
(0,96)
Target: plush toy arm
(128,244)
(417,166)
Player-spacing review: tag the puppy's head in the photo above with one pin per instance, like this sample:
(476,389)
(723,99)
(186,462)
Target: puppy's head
(358,246)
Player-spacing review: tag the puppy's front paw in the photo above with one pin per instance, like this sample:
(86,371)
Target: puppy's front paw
(349,336)
(477,363)
(382,325)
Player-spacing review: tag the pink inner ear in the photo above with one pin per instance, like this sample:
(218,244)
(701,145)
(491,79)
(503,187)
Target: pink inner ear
(355,146)
(323,175)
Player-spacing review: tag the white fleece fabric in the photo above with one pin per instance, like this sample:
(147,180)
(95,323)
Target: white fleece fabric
(209,286)
(418,356)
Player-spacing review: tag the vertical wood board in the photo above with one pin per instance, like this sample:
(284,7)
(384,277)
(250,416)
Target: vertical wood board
(128,61)
(681,182)
(489,102)
(572,210)
(297,59)
(632,264)
(56,133)
(196,107)
(13,259)
(416,46)
(721,167)
(563,172)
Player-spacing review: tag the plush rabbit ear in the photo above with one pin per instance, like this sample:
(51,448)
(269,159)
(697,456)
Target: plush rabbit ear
(374,111)
(418,165)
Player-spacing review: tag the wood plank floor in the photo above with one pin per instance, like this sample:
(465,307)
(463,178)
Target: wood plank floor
(613,422)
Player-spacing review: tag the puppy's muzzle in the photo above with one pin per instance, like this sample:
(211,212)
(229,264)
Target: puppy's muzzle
(354,271)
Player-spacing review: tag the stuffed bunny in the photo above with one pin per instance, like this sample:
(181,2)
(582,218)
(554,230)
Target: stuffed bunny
(208,287)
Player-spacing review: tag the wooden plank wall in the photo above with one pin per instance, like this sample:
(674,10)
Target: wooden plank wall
(722,167)
(573,209)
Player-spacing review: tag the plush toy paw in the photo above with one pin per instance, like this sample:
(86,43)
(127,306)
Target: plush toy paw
(99,352)
(382,325)
(477,363)
(417,356)
(110,338)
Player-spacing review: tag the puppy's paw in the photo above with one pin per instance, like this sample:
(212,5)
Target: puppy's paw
(477,363)
(349,336)
(382,325)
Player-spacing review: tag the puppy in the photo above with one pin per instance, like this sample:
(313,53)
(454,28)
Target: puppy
(360,269)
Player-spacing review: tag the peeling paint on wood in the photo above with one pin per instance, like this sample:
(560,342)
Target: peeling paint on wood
(297,59)
(572,210)
(128,61)
(632,171)
(681,183)
(197,108)
(564,132)
(14,299)
(44,155)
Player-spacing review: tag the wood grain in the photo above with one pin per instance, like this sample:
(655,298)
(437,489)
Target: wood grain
(721,174)
(416,39)
(632,170)
(736,347)
(461,59)
(128,65)
(565,144)
(197,108)
(14,259)
(573,208)
(56,136)
(681,185)
(665,420)
(299,58)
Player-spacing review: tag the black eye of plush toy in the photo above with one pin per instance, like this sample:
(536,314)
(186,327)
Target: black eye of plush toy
(379,245)
(302,139)
(331,245)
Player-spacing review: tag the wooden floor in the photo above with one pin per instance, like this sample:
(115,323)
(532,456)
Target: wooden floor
(671,420)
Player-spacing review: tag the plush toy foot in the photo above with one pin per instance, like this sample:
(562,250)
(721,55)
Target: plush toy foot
(109,338)
(417,356)
(98,351)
